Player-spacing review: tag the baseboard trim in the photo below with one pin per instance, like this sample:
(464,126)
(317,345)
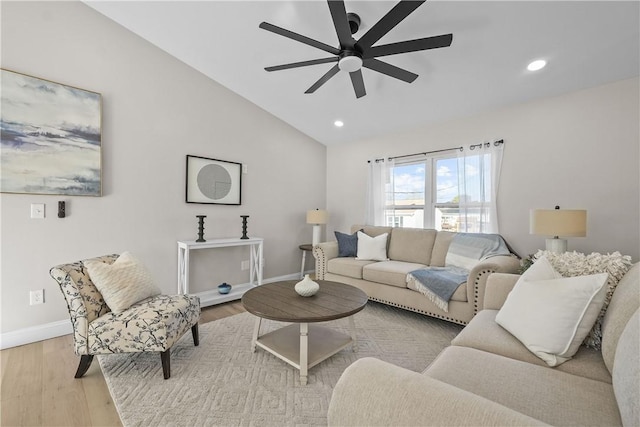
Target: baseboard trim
(35,333)
(63,327)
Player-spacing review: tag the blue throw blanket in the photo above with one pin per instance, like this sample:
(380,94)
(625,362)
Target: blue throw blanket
(439,283)
(466,249)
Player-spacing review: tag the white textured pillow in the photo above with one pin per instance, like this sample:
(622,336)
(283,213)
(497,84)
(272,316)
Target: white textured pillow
(123,283)
(551,315)
(372,248)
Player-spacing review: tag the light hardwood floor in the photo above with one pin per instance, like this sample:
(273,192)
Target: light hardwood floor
(38,388)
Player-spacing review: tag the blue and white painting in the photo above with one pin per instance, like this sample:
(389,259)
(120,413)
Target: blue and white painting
(50,140)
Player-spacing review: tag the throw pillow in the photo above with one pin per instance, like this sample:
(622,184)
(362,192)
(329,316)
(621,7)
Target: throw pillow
(578,264)
(372,248)
(551,315)
(347,244)
(123,283)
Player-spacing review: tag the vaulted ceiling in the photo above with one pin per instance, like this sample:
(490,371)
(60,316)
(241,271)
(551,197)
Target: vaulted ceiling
(585,44)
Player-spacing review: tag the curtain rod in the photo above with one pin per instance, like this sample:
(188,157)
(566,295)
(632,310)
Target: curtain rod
(471,147)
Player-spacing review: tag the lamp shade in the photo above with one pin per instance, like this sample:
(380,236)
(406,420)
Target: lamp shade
(317,216)
(558,222)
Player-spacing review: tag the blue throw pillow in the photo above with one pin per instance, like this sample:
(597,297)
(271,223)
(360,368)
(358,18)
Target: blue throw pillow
(347,244)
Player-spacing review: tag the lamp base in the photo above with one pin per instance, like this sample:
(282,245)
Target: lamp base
(556,245)
(316,235)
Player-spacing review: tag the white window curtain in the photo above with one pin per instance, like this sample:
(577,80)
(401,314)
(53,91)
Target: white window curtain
(478,176)
(379,190)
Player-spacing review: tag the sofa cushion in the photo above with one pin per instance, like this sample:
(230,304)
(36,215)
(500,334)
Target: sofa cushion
(372,248)
(392,273)
(626,372)
(552,316)
(483,333)
(349,267)
(467,249)
(347,244)
(543,393)
(440,248)
(624,302)
(412,245)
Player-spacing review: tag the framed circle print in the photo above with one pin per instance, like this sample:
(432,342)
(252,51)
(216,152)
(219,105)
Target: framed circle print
(213,181)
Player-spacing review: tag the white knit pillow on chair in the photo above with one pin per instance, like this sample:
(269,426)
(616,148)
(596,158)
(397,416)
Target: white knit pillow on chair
(123,283)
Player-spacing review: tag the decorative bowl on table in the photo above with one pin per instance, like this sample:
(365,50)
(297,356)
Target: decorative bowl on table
(224,288)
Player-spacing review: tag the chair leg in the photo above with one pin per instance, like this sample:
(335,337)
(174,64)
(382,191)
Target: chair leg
(165,356)
(195,334)
(85,363)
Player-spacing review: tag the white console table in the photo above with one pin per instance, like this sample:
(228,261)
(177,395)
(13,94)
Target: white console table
(213,297)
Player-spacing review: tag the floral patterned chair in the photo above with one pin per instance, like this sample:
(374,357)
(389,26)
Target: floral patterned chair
(153,324)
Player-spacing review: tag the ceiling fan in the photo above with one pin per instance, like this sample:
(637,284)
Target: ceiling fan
(353,54)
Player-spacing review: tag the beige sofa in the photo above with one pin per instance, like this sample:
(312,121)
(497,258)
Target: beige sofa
(410,249)
(487,377)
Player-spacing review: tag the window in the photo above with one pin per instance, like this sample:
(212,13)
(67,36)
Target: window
(452,191)
(424,194)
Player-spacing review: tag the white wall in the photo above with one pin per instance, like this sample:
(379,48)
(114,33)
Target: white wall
(579,150)
(156,110)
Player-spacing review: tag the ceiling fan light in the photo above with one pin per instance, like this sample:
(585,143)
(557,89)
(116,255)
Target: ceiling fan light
(350,63)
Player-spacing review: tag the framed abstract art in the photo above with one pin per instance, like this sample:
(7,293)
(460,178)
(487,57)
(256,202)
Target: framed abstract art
(213,181)
(51,140)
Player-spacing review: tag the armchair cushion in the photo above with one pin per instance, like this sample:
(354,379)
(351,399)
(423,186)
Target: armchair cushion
(153,324)
(123,283)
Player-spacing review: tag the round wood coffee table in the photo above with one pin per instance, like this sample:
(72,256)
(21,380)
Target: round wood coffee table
(304,346)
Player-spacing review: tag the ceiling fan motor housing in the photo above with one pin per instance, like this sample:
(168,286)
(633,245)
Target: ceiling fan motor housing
(354,22)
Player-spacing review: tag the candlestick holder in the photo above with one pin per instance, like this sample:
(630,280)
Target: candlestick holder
(201,228)
(244,226)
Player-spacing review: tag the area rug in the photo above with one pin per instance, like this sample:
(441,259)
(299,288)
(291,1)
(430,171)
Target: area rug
(222,383)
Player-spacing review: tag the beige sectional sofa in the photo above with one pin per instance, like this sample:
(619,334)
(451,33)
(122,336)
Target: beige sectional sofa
(487,377)
(409,249)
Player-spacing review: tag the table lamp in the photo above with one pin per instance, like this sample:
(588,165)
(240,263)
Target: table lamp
(558,223)
(317,217)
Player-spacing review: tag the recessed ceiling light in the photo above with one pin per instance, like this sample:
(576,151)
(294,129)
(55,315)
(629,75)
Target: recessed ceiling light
(537,65)
(338,123)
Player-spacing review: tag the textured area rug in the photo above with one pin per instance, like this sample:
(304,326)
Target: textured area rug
(221,382)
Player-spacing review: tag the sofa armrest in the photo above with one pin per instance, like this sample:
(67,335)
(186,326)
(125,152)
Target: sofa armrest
(323,252)
(498,287)
(371,392)
(482,270)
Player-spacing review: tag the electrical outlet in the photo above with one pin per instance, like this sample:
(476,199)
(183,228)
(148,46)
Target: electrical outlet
(244,265)
(36,297)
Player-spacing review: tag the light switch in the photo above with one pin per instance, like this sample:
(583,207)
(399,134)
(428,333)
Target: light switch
(244,168)
(37,210)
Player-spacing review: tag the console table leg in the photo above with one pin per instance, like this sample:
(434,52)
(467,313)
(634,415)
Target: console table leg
(352,332)
(304,352)
(256,331)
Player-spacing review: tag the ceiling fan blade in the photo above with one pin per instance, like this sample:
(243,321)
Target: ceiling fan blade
(434,42)
(389,70)
(301,64)
(390,20)
(299,38)
(340,21)
(332,72)
(358,83)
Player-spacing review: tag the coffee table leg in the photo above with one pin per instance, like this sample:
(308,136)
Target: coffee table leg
(304,352)
(352,332)
(256,331)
